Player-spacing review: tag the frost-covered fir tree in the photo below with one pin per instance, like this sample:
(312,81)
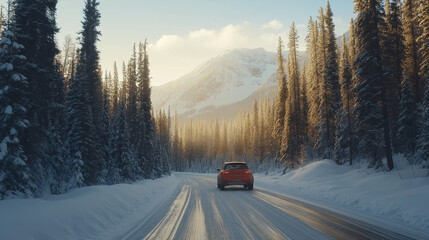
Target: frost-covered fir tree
(342,138)
(314,81)
(281,95)
(412,59)
(423,140)
(147,131)
(256,133)
(121,155)
(105,124)
(345,147)
(80,130)
(176,146)
(115,90)
(392,56)
(164,153)
(14,100)
(368,82)
(407,122)
(292,141)
(34,27)
(330,98)
(132,98)
(304,107)
(85,103)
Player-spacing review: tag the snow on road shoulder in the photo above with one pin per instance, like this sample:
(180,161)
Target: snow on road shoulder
(84,213)
(385,196)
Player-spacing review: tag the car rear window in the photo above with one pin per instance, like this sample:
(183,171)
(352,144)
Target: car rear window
(235,166)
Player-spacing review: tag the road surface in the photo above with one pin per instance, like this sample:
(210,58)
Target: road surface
(198,210)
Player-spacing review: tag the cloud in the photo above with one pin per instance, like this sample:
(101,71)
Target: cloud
(275,25)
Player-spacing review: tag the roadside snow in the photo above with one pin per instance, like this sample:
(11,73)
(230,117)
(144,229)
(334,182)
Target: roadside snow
(98,212)
(384,197)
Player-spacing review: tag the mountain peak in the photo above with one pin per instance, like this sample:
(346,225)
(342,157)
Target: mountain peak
(223,80)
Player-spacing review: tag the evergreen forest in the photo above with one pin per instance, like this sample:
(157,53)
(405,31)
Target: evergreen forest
(65,123)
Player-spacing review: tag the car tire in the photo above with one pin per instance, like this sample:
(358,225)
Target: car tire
(221,187)
(250,186)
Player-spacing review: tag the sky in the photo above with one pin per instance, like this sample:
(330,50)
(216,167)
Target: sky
(184,34)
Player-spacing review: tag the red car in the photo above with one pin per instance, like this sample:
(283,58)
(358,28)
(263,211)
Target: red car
(234,173)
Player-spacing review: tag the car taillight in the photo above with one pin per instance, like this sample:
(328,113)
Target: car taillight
(248,171)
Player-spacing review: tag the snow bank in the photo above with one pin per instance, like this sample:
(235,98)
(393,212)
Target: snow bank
(84,213)
(387,197)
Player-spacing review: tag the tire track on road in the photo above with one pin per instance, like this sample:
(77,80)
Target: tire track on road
(331,224)
(167,227)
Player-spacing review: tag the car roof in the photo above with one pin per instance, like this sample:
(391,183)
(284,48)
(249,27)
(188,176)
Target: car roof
(234,163)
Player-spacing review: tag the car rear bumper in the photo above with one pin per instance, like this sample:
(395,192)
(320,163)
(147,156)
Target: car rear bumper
(236,183)
(227,182)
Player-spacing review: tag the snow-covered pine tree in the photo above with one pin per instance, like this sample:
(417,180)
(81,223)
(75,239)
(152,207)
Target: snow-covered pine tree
(132,98)
(304,108)
(351,45)
(393,51)
(105,124)
(14,100)
(121,146)
(281,95)
(115,90)
(164,144)
(268,128)
(330,97)
(86,132)
(263,136)
(423,39)
(176,146)
(247,135)
(411,61)
(256,133)
(423,137)
(224,146)
(342,138)
(314,82)
(2,18)
(80,127)
(35,27)
(292,141)
(368,82)
(345,143)
(147,137)
(73,176)
(407,122)
(74,172)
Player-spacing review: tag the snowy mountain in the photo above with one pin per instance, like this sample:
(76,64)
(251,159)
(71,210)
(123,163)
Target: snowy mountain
(221,81)
(223,86)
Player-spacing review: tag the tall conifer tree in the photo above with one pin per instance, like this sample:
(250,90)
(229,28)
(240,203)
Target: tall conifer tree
(423,39)
(314,81)
(146,141)
(369,83)
(345,142)
(330,98)
(292,134)
(281,95)
(85,100)
(393,49)
(411,62)
(14,102)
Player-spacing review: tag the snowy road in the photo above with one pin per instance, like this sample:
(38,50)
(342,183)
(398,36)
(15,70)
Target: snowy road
(198,210)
